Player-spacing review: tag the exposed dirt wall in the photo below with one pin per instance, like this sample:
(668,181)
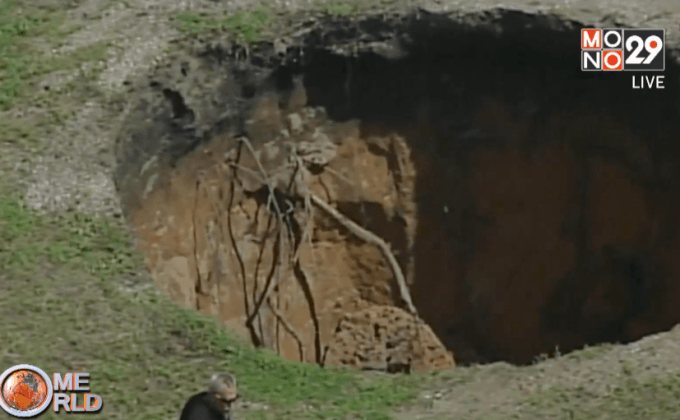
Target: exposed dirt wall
(530,206)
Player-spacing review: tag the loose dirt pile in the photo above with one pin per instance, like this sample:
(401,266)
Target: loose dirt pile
(386,338)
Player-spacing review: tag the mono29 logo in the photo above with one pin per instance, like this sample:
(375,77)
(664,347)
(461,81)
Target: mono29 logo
(623,50)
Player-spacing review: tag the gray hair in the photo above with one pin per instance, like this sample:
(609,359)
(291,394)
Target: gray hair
(219,380)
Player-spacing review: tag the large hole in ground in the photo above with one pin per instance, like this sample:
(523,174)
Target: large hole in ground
(532,207)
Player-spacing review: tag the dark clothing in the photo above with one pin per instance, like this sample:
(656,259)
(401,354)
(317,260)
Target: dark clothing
(203,407)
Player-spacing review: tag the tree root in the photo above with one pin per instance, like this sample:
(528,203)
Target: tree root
(371,238)
(311,200)
(279,260)
(265,177)
(288,328)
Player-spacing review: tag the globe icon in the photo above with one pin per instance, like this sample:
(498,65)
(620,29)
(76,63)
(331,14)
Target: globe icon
(24,392)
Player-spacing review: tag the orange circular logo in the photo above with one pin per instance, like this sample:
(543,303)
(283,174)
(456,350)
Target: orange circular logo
(25,391)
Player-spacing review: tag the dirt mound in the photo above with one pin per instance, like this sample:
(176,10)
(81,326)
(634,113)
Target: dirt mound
(529,205)
(388,339)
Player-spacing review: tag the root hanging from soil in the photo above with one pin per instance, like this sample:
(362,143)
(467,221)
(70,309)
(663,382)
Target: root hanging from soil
(298,189)
(278,252)
(289,328)
(374,239)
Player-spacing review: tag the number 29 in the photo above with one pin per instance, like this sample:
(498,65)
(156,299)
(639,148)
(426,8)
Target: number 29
(652,45)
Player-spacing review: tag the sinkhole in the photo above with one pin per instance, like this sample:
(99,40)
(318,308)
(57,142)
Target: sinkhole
(531,206)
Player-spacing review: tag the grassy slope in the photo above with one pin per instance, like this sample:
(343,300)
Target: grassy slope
(72,300)
(29,33)
(73,295)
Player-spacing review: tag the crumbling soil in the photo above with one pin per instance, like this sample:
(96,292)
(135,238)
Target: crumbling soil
(530,206)
(385,338)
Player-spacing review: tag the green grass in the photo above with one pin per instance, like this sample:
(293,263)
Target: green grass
(69,240)
(246,26)
(342,8)
(21,58)
(28,34)
(355,7)
(62,289)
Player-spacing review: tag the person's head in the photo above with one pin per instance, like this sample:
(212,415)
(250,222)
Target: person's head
(223,389)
